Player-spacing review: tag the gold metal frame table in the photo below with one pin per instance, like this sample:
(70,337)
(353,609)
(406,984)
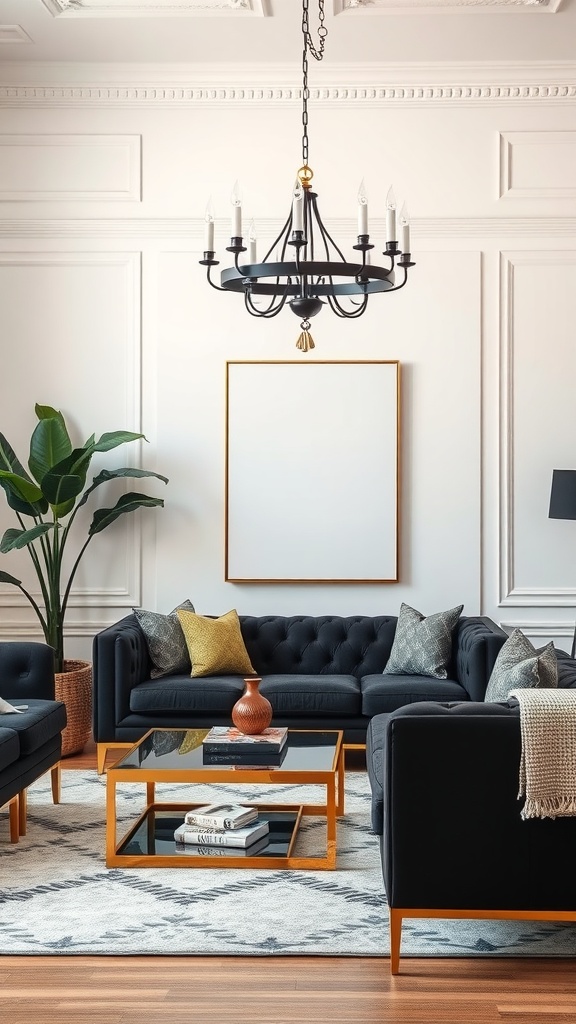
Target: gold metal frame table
(175,755)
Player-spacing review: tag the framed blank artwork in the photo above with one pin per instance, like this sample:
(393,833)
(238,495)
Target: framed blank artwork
(312,471)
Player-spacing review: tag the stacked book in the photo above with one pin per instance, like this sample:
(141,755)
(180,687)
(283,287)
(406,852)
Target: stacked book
(222,826)
(229,746)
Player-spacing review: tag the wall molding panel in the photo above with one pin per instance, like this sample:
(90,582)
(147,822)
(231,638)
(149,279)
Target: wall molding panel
(529,160)
(79,168)
(511,594)
(126,593)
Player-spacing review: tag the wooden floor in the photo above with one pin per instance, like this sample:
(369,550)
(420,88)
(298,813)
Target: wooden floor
(281,990)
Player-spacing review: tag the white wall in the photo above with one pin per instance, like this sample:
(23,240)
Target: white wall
(107,315)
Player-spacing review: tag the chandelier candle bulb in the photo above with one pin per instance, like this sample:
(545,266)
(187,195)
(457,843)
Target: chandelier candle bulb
(362,210)
(298,210)
(390,216)
(405,229)
(236,201)
(252,249)
(209,229)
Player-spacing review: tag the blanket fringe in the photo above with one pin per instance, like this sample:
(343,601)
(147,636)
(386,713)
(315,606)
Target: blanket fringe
(549,807)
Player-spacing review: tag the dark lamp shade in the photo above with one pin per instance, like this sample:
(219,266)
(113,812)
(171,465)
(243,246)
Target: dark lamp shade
(563,494)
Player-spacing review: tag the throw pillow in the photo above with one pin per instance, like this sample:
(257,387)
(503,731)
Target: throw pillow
(422,644)
(215,646)
(519,664)
(165,640)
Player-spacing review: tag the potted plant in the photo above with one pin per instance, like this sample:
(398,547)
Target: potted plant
(46,501)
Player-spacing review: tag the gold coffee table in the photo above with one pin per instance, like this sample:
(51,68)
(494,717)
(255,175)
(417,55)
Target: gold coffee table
(175,755)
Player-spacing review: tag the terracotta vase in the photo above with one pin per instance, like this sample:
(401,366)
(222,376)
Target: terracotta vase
(73,686)
(252,713)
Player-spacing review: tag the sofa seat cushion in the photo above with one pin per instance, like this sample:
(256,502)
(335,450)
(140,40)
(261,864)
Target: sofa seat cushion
(312,694)
(208,694)
(9,747)
(43,720)
(383,693)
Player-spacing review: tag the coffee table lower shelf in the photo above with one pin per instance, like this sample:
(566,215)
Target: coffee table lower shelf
(150,843)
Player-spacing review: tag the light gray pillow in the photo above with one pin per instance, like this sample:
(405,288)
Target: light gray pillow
(165,641)
(520,665)
(422,644)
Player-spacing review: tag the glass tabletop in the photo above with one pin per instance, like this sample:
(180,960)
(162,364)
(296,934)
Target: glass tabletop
(181,749)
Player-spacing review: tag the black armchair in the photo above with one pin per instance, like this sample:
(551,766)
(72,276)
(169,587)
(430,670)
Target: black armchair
(444,781)
(31,742)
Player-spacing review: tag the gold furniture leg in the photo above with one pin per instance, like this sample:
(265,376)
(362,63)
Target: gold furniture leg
(395,938)
(56,778)
(22,809)
(110,818)
(101,751)
(13,810)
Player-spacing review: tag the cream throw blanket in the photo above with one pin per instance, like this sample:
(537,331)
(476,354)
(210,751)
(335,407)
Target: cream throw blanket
(548,761)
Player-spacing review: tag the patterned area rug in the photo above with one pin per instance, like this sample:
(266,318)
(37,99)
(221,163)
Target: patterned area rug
(57,896)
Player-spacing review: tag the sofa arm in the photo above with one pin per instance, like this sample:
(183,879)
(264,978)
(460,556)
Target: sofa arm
(476,645)
(26,670)
(120,661)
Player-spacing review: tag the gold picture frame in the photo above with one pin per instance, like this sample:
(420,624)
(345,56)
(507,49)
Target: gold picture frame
(312,471)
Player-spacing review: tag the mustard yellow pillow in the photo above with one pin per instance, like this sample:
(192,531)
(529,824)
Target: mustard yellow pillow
(215,646)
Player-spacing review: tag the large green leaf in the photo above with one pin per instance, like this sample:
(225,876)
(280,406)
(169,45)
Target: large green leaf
(113,474)
(106,442)
(22,487)
(5,577)
(61,490)
(129,502)
(46,412)
(49,445)
(15,539)
(8,458)
(10,463)
(65,481)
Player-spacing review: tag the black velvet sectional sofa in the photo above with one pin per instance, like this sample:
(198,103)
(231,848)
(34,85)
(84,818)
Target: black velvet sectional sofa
(30,742)
(318,672)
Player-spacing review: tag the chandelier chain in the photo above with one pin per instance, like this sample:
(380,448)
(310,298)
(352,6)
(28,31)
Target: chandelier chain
(318,53)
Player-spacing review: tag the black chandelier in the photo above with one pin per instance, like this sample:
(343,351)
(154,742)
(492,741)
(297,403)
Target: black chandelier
(316,273)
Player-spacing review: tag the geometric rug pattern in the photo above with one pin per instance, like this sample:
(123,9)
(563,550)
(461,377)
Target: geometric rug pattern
(57,896)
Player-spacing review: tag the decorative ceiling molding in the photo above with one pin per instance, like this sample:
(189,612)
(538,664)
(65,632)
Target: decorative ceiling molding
(13,34)
(446,6)
(162,95)
(156,8)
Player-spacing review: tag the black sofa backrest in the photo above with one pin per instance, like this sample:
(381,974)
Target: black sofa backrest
(27,670)
(356,645)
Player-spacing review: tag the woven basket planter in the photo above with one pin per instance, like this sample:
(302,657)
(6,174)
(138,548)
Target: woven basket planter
(74,689)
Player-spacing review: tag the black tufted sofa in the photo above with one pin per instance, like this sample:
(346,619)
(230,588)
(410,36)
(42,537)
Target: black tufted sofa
(318,672)
(30,743)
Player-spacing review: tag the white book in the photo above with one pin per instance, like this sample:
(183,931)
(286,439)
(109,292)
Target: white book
(240,837)
(202,850)
(221,816)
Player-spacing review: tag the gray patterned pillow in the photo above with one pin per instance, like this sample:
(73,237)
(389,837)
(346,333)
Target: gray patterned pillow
(519,664)
(165,640)
(422,644)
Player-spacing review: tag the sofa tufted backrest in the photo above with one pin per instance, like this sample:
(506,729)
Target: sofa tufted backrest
(318,644)
(26,670)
